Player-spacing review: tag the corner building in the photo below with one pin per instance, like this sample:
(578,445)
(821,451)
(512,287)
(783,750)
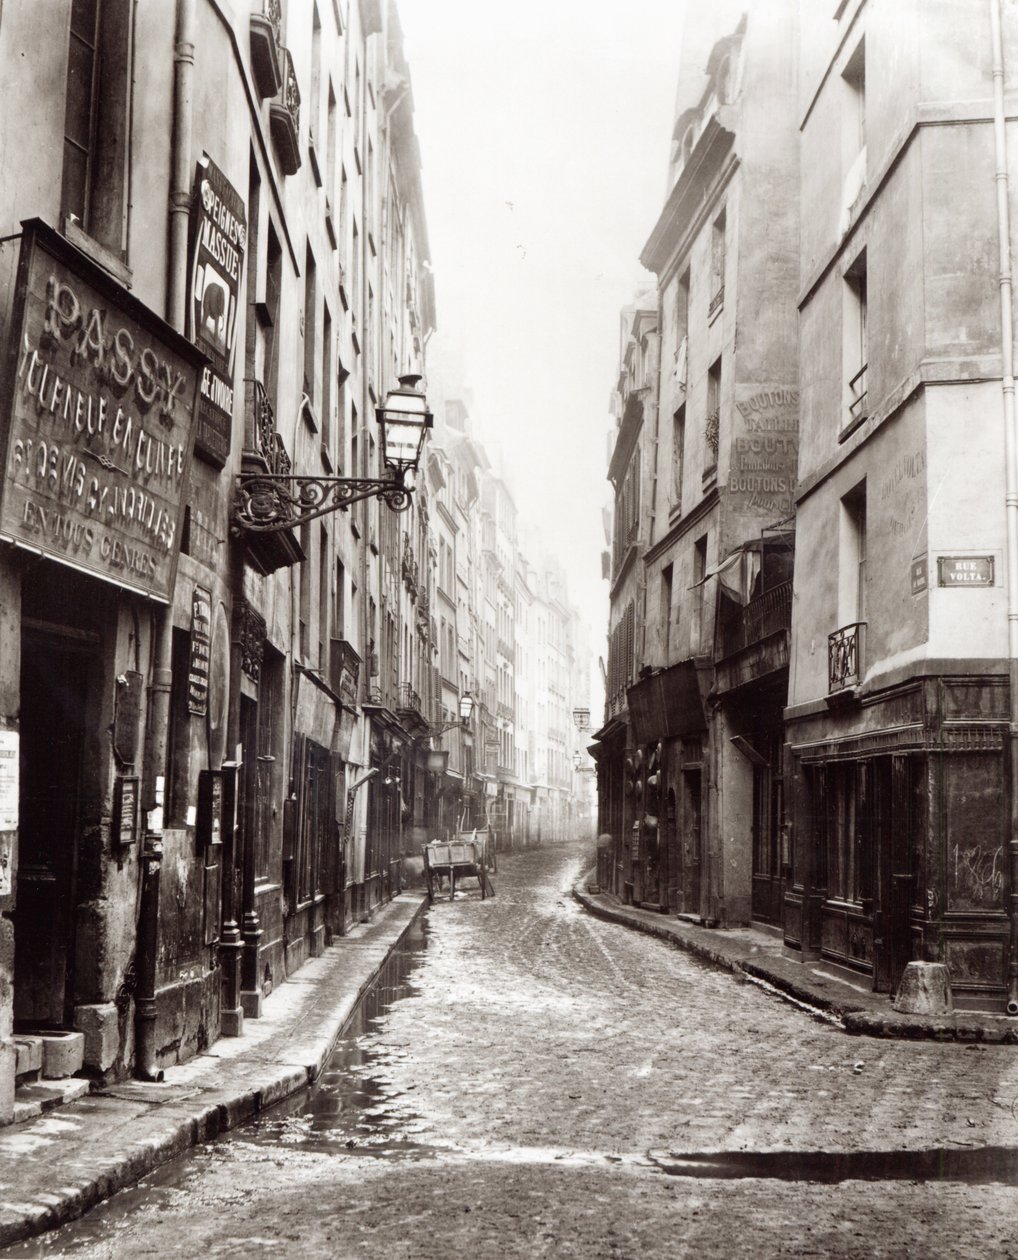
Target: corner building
(900,703)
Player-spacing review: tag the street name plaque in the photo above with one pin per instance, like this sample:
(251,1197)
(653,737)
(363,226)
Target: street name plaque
(965,570)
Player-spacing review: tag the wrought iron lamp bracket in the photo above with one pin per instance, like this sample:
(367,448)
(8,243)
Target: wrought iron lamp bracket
(269,502)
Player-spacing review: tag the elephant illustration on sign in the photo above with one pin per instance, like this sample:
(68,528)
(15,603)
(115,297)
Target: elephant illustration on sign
(213,310)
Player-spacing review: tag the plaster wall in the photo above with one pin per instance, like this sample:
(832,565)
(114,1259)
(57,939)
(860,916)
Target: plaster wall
(895,320)
(33,70)
(734,806)
(893,466)
(967,517)
(960,260)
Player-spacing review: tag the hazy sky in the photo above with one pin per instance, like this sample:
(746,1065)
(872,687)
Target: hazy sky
(545,129)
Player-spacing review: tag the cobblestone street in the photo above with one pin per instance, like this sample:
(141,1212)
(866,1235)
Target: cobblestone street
(529,1090)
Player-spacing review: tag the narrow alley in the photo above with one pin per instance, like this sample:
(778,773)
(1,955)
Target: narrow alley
(532,1081)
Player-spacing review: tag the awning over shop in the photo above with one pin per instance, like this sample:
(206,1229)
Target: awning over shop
(614,728)
(667,704)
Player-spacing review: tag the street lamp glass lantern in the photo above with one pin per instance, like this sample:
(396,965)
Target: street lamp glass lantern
(404,419)
(466,707)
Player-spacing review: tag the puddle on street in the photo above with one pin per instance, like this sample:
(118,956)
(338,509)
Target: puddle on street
(353,1112)
(351,1109)
(988,1165)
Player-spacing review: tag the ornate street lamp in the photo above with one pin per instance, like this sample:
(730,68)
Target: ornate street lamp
(466,710)
(438,759)
(271,501)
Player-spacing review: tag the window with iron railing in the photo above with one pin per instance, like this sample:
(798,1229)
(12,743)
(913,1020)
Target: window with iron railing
(855,349)
(844,657)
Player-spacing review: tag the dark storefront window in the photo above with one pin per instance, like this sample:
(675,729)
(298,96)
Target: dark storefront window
(270,728)
(767,810)
(179,741)
(315,812)
(844,832)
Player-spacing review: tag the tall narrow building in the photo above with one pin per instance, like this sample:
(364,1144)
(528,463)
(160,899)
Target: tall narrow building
(703,534)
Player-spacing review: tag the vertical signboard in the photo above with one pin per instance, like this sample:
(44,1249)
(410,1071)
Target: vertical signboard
(100,395)
(201,638)
(218,242)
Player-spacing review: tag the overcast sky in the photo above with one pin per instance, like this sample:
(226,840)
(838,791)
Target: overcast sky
(545,128)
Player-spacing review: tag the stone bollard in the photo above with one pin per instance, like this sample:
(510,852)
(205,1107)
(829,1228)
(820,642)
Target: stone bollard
(925,989)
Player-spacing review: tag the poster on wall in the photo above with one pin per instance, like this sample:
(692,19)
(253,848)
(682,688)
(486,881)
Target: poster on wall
(9,770)
(218,244)
(100,396)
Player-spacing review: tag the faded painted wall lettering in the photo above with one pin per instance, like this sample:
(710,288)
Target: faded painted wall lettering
(761,479)
(100,430)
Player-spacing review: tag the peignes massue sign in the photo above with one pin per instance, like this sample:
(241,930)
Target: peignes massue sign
(99,434)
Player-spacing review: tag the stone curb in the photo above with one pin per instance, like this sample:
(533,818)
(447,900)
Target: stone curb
(849,1013)
(172,1128)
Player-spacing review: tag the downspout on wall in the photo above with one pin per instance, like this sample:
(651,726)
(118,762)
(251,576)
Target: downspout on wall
(156,737)
(1011,482)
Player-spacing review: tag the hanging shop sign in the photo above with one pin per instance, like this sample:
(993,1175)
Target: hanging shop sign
(965,570)
(126,810)
(100,396)
(218,242)
(201,639)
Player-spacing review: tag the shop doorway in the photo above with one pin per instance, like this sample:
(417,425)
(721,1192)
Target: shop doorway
(55,673)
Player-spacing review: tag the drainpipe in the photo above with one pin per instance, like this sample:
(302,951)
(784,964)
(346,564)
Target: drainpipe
(1011,476)
(146,1050)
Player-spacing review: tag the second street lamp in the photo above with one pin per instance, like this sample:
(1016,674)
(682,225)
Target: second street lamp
(270,501)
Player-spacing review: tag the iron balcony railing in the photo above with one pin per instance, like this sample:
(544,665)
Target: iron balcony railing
(265,37)
(712,433)
(267,441)
(765,615)
(284,118)
(858,409)
(844,657)
(409,700)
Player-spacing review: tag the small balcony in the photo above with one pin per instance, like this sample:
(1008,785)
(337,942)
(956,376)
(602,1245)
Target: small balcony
(763,616)
(844,659)
(409,700)
(265,32)
(410,710)
(284,118)
(264,452)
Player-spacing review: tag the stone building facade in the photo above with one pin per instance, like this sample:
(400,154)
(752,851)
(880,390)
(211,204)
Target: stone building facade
(217,277)
(830,613)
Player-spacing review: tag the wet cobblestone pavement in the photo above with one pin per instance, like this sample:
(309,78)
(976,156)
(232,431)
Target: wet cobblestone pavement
(531,1081)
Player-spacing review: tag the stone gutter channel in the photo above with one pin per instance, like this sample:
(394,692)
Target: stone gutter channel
(60,1164)
(758,955)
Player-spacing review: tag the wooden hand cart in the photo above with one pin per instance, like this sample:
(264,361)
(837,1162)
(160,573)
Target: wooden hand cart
(455,860)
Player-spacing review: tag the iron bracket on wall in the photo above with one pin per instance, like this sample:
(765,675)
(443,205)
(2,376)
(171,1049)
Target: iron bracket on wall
(268,502)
